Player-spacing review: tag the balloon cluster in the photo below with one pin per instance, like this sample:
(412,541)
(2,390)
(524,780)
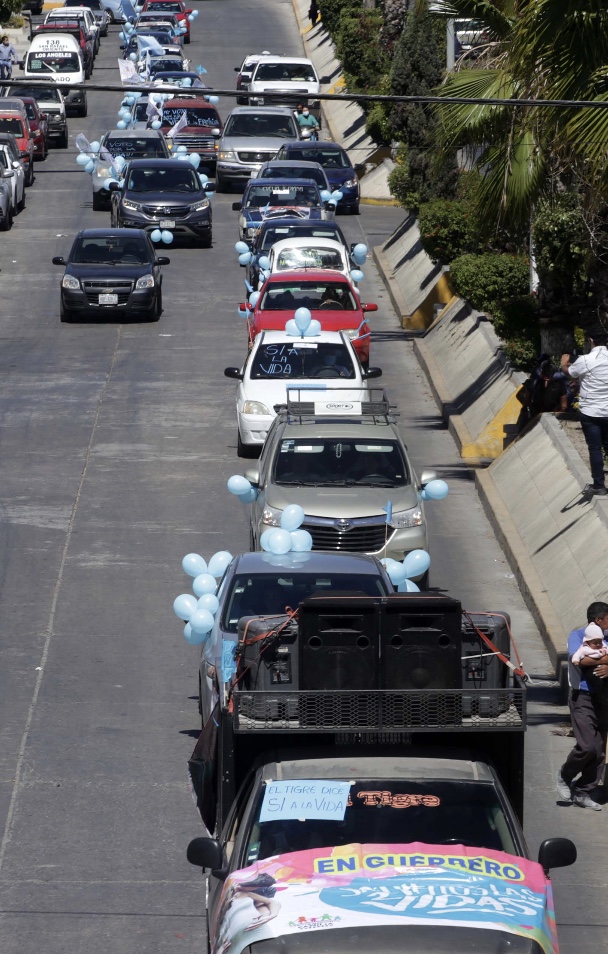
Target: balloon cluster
(88,155)
(192,16)
(415,563)
(303,324)
(242,488)
(199,611)
(331,197)
(289,537)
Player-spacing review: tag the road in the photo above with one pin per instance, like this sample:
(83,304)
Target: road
(115,445)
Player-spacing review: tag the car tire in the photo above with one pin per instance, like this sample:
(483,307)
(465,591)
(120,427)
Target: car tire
(158,306)
(207,241)
(30,175)
(63,141)
(354,209)
(221,184)
(186,39)
(21,204)
(64,313)
(248,451)
(82,110)
(7,221)
(99,202)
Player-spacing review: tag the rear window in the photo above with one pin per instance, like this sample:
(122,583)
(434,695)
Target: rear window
(285,72)
(315,295)
(296,172)
(276,233)
(259,197)
(261,125)
(297,360)
(11,126)
(49,63)
(195,116)
(143,148)
(313,256)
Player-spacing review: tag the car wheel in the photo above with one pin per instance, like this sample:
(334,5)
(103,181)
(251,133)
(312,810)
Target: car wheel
(82,110)
(354,209)
(30,174)
(63,142)
(186,39)
(7,220)
(64,313)
(220,184)
(21,204)
(158,306)
(99,202)
(207,241)
(245,450)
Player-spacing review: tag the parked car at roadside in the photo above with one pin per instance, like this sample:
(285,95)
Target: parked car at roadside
(17,124)
(50,101)
(7,174)
(11,160)
(39,125)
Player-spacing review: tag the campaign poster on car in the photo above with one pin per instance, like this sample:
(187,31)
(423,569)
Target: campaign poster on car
(364,885)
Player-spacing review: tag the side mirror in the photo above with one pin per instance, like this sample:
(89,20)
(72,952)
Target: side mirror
(206,853)
(373,373)
(556,853)
(369,307)
(16,164)
(233,373)
(58,260)
(162,260)
(114,187)
(216,131)
(237,206)
(253,476)
(237,69)
(427,476)
(210,187)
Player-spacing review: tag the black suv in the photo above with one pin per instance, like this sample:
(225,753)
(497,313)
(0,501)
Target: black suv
(163,194)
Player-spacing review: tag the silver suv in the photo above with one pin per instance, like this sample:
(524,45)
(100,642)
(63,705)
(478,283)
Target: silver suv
(342,467)
(251,137)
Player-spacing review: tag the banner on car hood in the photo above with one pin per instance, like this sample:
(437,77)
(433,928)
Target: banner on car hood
(363,885)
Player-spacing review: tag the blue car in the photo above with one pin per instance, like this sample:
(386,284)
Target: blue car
(277,198)
(336,165)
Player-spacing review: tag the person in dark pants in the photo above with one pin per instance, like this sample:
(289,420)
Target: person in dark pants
(592,371)
(313,12)
(583,771)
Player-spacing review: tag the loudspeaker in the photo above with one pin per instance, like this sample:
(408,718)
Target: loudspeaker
(482,670)
(339,643)
(421,642)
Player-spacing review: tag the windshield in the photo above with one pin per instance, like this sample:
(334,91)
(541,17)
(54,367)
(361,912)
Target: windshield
(335,296)
(12,126)
(53,62)
(164,6)
(39,93)
(313,256)
(285,72)
(339,462)
(136,148)
(262,125)
(297,360)
(393,811)
(328,158)
(259,197)
(295,172)
(195,116)
(110,250)
(163,180)
(274,233)
(164,65)
(264,594)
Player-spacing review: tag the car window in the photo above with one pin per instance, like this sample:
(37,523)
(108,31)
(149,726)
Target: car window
(45,93)
(30,111)
(132,148)
(274,233)
(165,6)
(260,125)
(340,462)
(53,62)
(260,196)
(328,158)
(8,125)
(195,116)
(290,72)
(312,256)
(3,159)
(262,594)
(163,180)
(331,295)
(294,172)
(397,812)
(306,359)
(112,250)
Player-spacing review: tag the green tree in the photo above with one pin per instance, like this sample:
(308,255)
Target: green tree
(8,8)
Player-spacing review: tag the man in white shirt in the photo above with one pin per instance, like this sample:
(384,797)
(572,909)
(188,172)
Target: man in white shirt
(591,370)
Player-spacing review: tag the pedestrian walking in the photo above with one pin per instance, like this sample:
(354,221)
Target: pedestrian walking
(8,56)
(591,370)
(582,774)
(313,13)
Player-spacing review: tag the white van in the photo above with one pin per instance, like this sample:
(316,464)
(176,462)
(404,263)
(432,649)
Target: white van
(56,57)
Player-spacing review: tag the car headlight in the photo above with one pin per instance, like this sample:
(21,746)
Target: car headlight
(133,206)
(272,516)
(255,407)
(227,154)
(103,171)
(68,281)
(252,230)
(146,281)
(407,518)
(199,206)
(351,183)
(352,333)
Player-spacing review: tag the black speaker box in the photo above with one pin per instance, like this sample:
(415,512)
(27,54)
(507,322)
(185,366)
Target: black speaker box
(339,643)
(482,670)
(421,642)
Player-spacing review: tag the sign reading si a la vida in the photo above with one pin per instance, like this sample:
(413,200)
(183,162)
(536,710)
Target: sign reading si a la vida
(306,798)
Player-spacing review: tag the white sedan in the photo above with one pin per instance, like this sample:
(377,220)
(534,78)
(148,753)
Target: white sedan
(278,362)
(295,253)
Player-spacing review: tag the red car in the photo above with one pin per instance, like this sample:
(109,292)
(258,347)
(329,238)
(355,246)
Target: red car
(329,296)
(177,7)
(202,131)
(39,126)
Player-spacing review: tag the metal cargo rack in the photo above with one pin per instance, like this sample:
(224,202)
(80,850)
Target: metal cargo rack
(375,410)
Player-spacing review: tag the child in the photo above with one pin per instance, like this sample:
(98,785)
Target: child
(594,645)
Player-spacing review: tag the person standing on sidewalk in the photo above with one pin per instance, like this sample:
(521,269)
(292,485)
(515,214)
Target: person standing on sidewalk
(592,372)
(583,771)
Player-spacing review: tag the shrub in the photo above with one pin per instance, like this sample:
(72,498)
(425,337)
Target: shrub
(331,13)
(560,247)
(358,47)
(448,229)
(485,280)
(7,9)
(522,352)
(401,186)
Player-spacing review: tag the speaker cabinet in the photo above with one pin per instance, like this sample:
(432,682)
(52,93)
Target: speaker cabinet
(421,643)
(339,644)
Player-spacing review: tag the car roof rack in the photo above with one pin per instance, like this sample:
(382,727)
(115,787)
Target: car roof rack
(299,409)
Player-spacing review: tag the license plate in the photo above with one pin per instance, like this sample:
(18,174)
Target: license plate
(167,224)
(108,299)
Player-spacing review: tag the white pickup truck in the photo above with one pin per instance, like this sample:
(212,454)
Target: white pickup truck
(284,81)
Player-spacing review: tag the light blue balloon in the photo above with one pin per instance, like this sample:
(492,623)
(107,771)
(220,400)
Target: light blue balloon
(195,159)
(416,563)
(396,573)
(194,14)
(265,540)
(240,247)
(166,236)
(357,275)
(193,564)
(190,17)
(183,157)
(192,638)
(250,497)
(123,36)
(302,319)
(302,313)
(130,101)
(314,329)
(205,178)
(210,602)
(237,484)
(244,258)
(121,124)
(90,167)
(388,561)
(133,57)
(264,262)
(82,159)
(408,586)
(187,81)
(436,490)
(279,542)
(422,495)
(325,195)
(301,540)
(214,100)
(156,235)
(254,298)
(119,163)
(359,253)
(218,563)
(337,196)
(292,517)
(204,583)
(184,606)
(291,328)
(201,622)
(182,149)
(156,124)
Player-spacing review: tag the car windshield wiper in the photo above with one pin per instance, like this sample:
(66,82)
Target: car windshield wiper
(386,482)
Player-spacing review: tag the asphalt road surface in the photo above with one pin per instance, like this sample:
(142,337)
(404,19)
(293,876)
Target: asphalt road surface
(115,445)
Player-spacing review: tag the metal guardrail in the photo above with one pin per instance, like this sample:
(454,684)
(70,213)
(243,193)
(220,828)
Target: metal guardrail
(381,711)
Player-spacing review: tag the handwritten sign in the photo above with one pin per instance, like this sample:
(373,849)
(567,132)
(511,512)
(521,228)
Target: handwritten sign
(305,799)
